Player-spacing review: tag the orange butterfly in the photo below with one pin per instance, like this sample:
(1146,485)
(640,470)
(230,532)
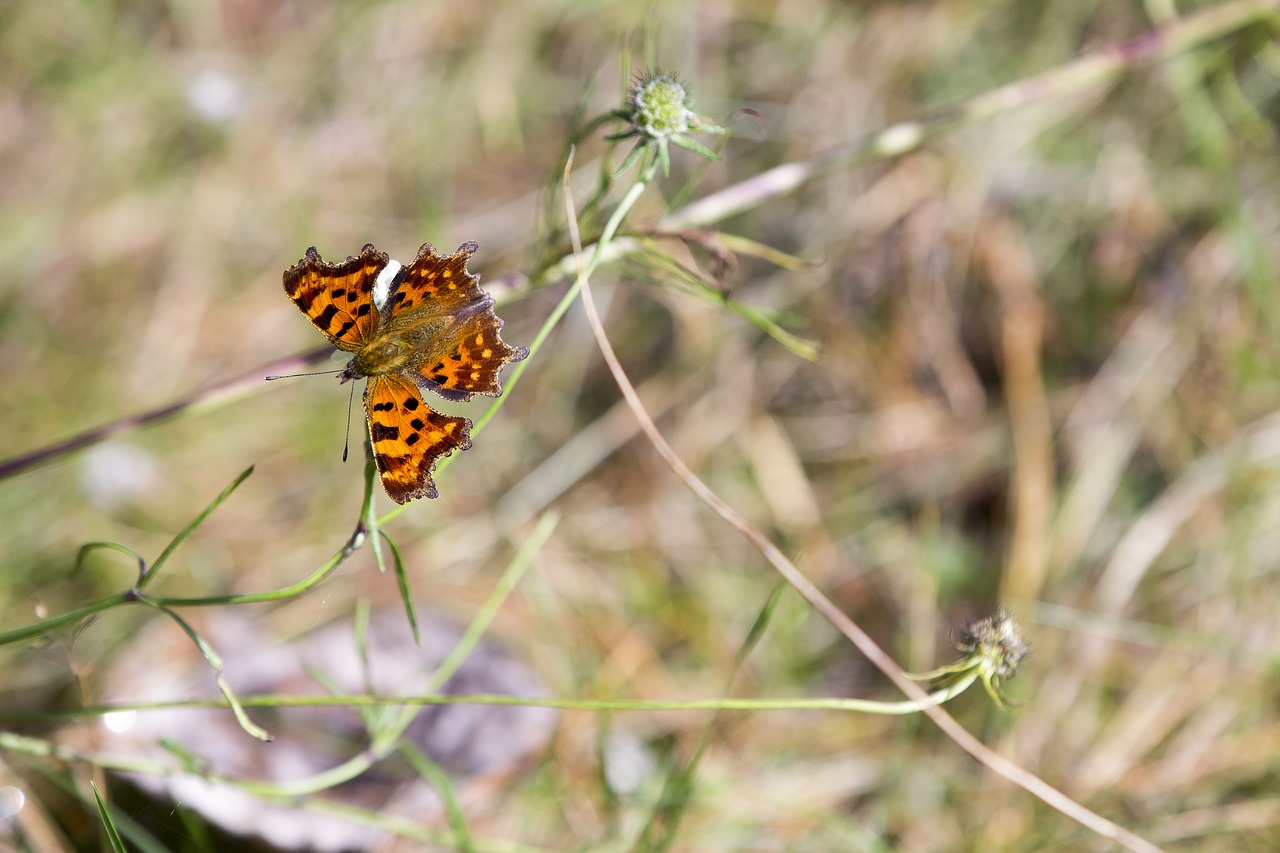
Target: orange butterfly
(427,325)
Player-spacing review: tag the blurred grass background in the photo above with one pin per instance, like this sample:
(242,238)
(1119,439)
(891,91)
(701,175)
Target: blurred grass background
(1048,352)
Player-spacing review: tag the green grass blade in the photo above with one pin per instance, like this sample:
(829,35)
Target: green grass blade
(673,272)
(369,511)
(402,582)
(679,787)
(89,547)
(484,616)
(191,528)
(740,245)
(439,780)
(113,834)
(215,661)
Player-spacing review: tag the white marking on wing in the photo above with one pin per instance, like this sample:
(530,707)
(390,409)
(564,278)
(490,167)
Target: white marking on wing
(382,287)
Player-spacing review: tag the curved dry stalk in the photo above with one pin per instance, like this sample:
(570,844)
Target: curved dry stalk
(992,760)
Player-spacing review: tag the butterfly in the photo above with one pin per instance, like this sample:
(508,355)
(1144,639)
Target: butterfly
(427,325)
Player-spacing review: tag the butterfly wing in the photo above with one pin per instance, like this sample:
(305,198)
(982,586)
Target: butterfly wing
(473,355)
(408,436)
(438,284)
(338,298)
(463,354)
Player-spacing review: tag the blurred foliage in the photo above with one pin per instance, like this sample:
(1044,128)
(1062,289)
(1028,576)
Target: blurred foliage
(1047,350)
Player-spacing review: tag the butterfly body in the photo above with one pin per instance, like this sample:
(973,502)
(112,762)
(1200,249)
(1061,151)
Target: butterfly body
(427,325)
(387,353)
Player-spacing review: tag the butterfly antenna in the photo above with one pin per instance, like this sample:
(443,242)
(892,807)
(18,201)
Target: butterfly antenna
(292,375)
(350,405)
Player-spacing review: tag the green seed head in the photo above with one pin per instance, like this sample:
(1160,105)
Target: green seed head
(660,106)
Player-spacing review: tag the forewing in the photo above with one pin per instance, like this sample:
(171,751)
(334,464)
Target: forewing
(436,283)
(338,298)
(408,437)
(474,355)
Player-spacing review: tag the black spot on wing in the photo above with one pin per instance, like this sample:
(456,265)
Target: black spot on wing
(325,317)
(378,432)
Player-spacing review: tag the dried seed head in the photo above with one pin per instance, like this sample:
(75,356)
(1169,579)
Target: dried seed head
(996,642)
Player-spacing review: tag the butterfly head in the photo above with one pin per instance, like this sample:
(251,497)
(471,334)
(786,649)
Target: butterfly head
(349,373)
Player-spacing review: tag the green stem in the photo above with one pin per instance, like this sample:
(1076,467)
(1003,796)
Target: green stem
(46,625)
(606,236)
(356,540)
(863,706)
